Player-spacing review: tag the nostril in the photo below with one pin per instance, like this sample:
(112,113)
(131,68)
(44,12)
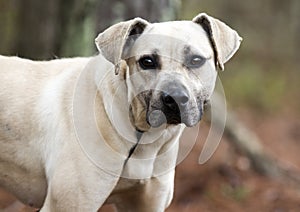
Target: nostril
(167,99)
(183,100)
(179,99)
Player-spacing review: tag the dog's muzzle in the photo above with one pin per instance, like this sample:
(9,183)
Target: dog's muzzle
(173,106)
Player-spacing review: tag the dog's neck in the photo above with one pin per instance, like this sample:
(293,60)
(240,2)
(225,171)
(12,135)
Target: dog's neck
(139,151)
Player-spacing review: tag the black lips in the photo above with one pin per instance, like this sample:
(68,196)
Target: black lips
(162,108)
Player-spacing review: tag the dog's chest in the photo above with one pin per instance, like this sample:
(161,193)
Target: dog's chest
(124,184)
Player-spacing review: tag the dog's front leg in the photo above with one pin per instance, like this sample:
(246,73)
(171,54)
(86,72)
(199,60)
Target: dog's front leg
(151,195)
(81,193)
(78,185)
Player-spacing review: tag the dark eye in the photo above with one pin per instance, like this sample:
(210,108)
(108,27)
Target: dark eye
(196,61)
(147,62)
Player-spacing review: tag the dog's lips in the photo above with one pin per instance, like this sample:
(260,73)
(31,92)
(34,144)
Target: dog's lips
(157,117)
(158,114)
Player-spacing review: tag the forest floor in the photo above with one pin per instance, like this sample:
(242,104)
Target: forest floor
(227,182)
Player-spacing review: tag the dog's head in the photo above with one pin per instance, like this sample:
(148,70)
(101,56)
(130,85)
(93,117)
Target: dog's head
(171,67)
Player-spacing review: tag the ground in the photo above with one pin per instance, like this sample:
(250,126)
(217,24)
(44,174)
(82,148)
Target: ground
(227,182)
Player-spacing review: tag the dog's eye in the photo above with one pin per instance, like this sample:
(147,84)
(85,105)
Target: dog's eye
(196,61)
(147,62)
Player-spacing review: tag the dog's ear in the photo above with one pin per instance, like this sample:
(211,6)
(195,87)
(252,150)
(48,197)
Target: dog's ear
(225,41)
(115,41)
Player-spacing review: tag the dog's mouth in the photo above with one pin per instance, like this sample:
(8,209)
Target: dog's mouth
(163,108)
(159,115)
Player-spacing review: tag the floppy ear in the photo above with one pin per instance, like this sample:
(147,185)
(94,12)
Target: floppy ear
(225,41)
(115,41)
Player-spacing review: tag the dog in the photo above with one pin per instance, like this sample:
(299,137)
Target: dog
(78,133)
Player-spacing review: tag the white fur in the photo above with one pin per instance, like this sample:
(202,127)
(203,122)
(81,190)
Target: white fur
(65,132)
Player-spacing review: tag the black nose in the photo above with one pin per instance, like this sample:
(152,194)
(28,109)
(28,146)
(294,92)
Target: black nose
(178,98)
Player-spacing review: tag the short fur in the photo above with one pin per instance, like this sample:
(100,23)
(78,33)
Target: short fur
(43,159)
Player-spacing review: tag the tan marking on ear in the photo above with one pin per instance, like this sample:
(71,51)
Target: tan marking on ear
(113,41)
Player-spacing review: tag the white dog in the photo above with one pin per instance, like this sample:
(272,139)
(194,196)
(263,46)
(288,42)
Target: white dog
(78,133)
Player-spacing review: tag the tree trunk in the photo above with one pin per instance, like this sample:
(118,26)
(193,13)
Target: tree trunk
(64,28)
(36,29)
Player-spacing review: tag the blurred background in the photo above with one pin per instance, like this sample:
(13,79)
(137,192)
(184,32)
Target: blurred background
(255,169)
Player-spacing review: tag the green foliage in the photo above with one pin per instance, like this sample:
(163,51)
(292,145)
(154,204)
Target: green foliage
(238,193)
(78,38)
(251,85)
(8,28)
